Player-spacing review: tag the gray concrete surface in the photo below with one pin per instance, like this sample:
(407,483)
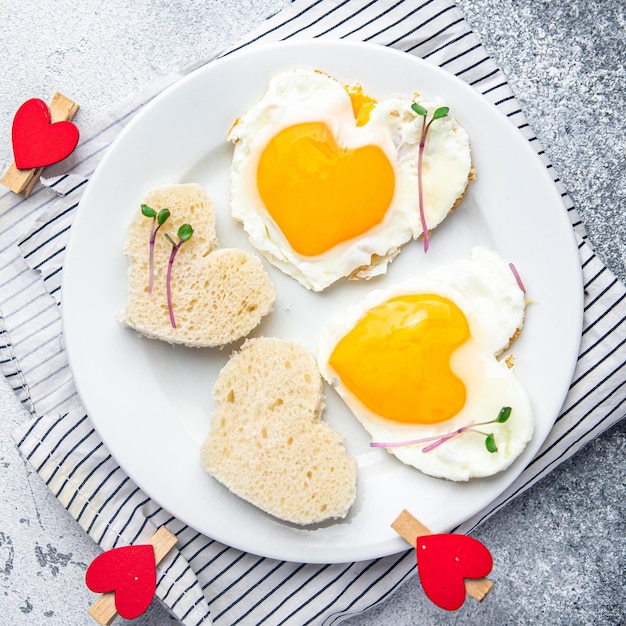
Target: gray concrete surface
(559,549)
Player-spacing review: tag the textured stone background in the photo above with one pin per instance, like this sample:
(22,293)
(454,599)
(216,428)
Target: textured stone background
(559,550)
(565,61)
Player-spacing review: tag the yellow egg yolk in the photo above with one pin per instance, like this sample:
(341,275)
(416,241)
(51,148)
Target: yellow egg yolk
(396,359)
(321,194)
(362,104)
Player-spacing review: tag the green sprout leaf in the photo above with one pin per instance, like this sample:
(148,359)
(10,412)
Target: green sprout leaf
(490,443)
(162,216)
(185,232)
(148,211)
(419,109)
(503,416)
(441,112)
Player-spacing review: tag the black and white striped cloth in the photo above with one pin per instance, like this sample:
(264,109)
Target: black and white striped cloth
(201,580)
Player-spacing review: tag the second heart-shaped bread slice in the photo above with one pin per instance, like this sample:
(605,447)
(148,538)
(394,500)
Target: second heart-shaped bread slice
(267,442)
(218,295)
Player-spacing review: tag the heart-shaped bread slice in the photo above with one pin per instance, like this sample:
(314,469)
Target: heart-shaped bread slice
(268,443)
(217,295)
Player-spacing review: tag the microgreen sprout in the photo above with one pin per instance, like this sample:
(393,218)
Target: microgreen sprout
(436,440)
(184,234)
(422,112)
(158,219)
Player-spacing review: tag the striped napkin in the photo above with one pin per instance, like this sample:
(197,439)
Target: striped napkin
(203,581)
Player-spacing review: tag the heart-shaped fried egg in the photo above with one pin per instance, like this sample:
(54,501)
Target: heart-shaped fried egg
(325,178)
(417,366)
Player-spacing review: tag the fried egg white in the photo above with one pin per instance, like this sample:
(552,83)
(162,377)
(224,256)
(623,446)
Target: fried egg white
(325,179)
(418,362)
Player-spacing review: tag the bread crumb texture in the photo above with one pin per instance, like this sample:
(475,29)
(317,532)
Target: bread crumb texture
(218,295)
(268,443)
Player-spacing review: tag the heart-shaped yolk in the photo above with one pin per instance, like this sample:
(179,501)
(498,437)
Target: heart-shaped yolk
(396,359)
(321,194)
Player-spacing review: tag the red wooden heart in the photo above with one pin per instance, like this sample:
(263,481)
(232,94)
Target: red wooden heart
(37,141)
(130,572)
(444,561)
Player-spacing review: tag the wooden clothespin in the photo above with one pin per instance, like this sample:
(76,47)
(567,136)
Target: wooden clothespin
(446,563)
(33,121)
(127,576)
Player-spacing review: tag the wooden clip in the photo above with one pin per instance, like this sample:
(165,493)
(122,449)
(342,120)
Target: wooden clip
(22,182)
(103,609)
(409,528)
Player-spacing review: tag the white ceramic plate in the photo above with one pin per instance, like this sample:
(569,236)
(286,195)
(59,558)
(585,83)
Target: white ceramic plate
(151,402)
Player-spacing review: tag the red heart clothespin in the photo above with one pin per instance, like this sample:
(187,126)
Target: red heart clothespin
(37,140)
(127,577)
(443,564)
(130,572)
(449,566)
(41,136)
